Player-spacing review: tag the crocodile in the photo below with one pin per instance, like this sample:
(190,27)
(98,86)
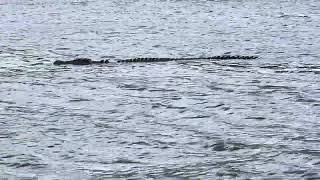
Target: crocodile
(87,61)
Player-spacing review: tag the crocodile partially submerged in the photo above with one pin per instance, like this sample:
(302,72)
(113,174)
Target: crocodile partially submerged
(87,61)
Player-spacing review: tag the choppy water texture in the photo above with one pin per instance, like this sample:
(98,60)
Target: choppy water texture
(168,120)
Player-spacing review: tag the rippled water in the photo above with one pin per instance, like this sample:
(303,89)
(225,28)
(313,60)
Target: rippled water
(244,119)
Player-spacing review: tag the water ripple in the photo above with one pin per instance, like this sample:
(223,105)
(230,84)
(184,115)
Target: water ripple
(201,119)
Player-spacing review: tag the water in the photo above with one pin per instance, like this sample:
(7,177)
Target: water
(232,119)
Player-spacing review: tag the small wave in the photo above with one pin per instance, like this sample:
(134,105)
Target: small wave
(79,100)
(231,146)
(125,161)
(256,118)
(283,15)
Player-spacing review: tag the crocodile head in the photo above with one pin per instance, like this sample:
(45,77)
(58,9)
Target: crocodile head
(80,61)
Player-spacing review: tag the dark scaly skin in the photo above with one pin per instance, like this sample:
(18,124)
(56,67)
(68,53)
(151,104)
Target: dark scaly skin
(87,61)
(175,59)
(80,61)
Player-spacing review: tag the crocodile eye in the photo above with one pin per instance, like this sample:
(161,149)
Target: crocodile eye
(58,62)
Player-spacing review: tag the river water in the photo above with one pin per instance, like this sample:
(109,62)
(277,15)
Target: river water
(202,119)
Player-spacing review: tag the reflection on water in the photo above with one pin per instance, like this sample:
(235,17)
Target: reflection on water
(168,120)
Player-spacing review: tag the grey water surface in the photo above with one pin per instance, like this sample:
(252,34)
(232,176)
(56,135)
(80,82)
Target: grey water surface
(202,119)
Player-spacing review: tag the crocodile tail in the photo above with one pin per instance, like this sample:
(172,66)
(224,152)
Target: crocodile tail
(232,57)
(224,57)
